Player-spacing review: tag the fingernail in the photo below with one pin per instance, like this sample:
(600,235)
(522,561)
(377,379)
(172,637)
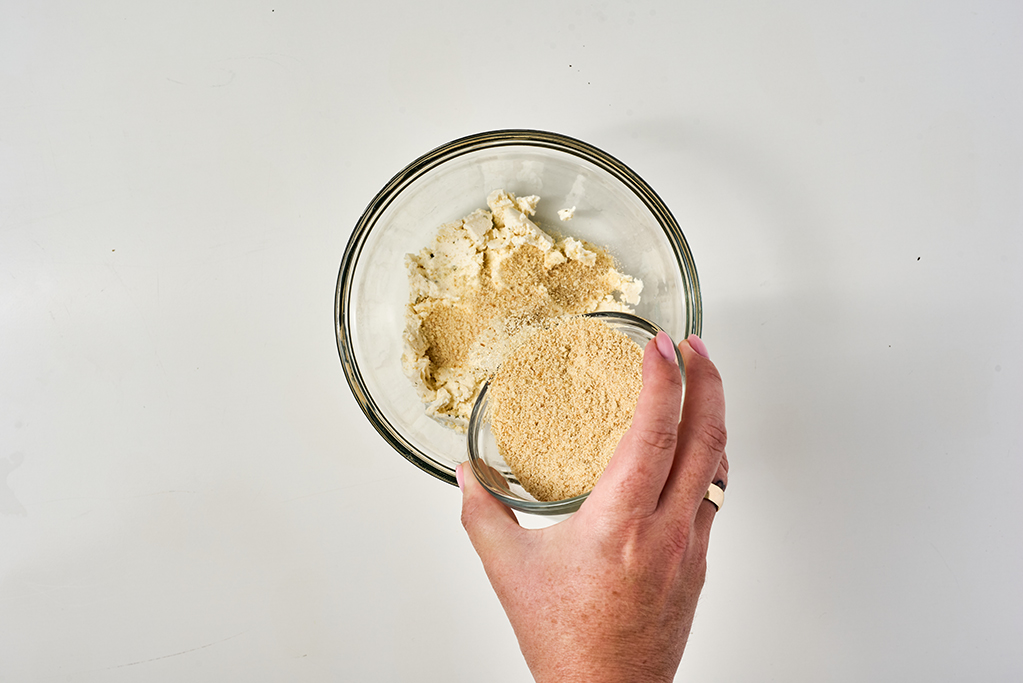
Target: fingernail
(458,478)
(665,346)
(697,345)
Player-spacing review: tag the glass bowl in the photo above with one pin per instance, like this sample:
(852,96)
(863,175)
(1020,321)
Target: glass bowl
(485,457)
(615,209)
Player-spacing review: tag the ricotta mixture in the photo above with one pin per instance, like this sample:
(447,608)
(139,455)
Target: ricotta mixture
(483,285)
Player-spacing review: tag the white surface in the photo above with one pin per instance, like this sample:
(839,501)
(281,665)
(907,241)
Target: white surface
(191,491)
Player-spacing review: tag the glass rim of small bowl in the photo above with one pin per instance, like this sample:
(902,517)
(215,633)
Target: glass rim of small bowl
(415,171)
(495,482)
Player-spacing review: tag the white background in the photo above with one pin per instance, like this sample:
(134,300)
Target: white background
(188,490)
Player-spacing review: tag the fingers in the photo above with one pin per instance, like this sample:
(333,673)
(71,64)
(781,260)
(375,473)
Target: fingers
(721,476)
(635,476)
(705,515)
(701,435)
(491,525)
(707,510)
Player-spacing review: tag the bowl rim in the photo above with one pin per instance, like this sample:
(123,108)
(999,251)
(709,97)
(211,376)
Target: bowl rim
(479,418)
(511,137)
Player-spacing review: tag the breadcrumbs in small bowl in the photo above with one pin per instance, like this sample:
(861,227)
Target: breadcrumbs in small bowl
(544,428)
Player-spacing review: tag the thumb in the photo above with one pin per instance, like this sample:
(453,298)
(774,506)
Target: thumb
(635,476)
(491,525)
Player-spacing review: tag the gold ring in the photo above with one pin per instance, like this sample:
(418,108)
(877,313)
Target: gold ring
(716,495)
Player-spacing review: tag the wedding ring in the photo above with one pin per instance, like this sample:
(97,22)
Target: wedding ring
(716,495)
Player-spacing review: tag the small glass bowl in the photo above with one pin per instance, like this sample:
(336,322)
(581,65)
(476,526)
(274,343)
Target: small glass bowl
(490,468)
(615,209)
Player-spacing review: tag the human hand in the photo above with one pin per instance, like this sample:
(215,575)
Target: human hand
(609,594)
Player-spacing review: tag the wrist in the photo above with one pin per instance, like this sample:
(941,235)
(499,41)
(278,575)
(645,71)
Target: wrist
(625,670)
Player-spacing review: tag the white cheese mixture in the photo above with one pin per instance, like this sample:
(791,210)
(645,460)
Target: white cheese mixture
(481,284)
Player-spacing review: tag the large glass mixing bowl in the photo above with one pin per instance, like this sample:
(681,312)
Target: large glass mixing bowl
(615,208)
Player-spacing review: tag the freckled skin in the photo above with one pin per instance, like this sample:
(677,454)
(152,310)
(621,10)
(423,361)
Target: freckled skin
(609,594)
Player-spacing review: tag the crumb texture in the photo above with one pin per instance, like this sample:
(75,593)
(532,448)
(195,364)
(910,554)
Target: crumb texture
(561,402)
